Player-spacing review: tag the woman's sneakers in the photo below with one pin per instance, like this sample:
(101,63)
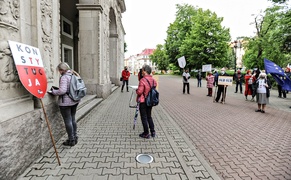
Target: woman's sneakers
(153,134)
(144,135)
(69,143)
(147,135)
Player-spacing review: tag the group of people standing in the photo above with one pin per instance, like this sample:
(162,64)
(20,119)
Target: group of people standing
(256,85)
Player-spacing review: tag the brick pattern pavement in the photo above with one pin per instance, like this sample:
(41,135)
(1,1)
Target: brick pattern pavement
(108,146)
(238,142)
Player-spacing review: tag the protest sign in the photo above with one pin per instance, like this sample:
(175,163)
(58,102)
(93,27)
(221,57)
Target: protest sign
(225,80)
(206,68)
(30,68)
(182,62)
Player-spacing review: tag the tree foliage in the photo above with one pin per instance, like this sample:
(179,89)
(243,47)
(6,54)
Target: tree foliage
(199,36)
(177,31)
(279,1)
(272,38)
(160,57)
(207,41)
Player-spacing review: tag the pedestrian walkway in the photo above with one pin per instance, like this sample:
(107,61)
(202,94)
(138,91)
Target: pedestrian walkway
(196,139)
(108,146)
(236,141)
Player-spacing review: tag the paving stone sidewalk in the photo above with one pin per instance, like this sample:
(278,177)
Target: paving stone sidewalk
(108,146)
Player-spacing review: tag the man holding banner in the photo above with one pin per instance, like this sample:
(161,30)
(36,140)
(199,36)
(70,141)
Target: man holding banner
(221,86)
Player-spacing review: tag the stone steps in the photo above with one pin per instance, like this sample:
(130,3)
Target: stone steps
(88,103)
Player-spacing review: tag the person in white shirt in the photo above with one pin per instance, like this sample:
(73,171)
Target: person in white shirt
(263,86)
(186,77)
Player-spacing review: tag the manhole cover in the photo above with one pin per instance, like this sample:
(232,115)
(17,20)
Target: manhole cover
(144,158)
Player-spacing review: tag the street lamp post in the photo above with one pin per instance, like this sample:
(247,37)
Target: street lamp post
(237,44)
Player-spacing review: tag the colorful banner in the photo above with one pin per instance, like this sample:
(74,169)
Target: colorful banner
(278,74)
(30,68)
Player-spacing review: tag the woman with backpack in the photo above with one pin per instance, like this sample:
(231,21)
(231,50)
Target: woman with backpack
(68,106)
(142,92)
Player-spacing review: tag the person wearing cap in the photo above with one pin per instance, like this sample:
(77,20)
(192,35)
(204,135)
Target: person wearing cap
(238,78)
(249,79)
(262,87)
(220,89)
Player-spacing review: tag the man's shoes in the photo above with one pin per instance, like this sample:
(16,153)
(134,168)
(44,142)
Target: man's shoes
(235,92)
(258,110)
(69,143)
(143,135)
(262,111)
(121,90)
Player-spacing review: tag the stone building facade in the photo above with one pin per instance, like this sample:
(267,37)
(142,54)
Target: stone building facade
(87,34)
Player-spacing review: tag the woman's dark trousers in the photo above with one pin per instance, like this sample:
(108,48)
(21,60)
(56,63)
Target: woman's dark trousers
(146,118)
(123,83)
(68,114)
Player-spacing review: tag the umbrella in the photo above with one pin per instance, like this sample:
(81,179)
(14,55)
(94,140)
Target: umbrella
(136,114)
(132,104)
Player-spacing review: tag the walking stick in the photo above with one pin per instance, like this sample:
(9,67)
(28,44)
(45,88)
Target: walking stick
(51,135)
(214,93)
(224,94)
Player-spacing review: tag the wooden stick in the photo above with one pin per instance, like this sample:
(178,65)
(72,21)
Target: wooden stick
(214,95)
(51,135)
(224,94)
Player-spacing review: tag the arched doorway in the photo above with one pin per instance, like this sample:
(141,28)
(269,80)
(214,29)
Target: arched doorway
(113,40)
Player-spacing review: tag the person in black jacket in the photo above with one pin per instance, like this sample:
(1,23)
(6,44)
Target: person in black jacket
(238,77)
(220,89)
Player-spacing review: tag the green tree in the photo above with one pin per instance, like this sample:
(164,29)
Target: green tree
(272,38)
(160,57)
(279,1)
(177,31)
(207,41)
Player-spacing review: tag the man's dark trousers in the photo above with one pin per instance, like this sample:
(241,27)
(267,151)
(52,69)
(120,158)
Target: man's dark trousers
(184,85)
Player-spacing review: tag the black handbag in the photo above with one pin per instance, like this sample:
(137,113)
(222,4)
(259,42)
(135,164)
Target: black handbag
(120,79)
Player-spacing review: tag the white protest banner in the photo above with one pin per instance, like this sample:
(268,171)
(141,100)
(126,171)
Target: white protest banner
(30,68)
(225,80)
(182,62)
(206,68)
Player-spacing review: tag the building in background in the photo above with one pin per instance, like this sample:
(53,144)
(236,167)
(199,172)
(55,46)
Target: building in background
(87,34)
(135,62)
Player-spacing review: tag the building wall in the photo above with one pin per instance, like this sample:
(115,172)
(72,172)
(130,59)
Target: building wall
(24,135)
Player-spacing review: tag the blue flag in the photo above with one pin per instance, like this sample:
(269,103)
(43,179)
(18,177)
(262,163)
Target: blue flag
(278,74)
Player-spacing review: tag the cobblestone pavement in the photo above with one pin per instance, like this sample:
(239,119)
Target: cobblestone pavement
(236,141)
(108,145)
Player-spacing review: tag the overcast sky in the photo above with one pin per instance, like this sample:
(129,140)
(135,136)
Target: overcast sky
(146,21)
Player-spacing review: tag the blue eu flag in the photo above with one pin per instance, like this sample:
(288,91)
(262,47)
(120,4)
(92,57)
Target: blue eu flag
(278,74)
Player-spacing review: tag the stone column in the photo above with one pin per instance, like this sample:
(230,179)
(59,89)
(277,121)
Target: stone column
(93,62)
